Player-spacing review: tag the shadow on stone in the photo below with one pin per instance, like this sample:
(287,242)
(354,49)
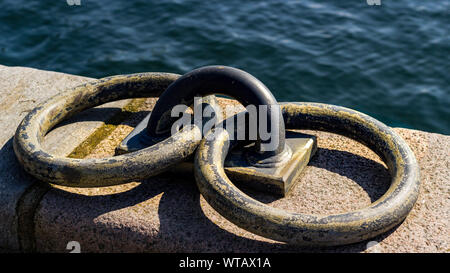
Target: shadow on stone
(370,175)
(20,195)
(183,224)
(114,115)
(92,114)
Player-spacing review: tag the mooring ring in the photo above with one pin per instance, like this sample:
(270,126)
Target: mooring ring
(104,171)
(314,230)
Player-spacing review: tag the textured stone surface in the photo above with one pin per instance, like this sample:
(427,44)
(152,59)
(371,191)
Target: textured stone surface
(21,89)
(167,213)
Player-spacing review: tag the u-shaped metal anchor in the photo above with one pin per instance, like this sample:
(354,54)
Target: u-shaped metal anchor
(270,164)
(223,80)
(210,80)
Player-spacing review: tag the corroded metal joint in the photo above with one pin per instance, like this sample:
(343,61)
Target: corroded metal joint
(204,82)
(270,165)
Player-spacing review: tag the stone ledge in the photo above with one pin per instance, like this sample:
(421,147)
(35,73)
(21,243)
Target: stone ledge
(167,213)
(21,90)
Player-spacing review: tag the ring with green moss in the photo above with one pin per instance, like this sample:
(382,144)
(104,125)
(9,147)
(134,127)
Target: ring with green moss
(104,171)
(314,230)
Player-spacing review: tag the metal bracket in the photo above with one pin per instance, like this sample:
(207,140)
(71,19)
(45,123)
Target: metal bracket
(139,138)
(278,179)
(274,170)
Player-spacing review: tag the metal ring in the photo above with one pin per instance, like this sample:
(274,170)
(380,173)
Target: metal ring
(217,79)
(105,171)
(315,230)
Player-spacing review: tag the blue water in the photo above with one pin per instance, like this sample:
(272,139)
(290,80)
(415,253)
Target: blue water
(390,61)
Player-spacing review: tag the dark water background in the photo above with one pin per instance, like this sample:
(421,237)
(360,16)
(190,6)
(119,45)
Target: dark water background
(390,61)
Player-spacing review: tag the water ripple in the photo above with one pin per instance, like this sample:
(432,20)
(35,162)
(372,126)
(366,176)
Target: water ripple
(390,61)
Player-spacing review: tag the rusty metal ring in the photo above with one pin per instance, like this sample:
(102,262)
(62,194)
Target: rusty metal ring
(315,230)
(105,171)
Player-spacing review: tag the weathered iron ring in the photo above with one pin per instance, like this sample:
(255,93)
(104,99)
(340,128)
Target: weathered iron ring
(104,171)
(315,230)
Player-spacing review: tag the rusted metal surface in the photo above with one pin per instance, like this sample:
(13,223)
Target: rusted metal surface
(271,171)
(139,138)
(276,179)
(315,230)
(105,171)
(223,80)
(215,186)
